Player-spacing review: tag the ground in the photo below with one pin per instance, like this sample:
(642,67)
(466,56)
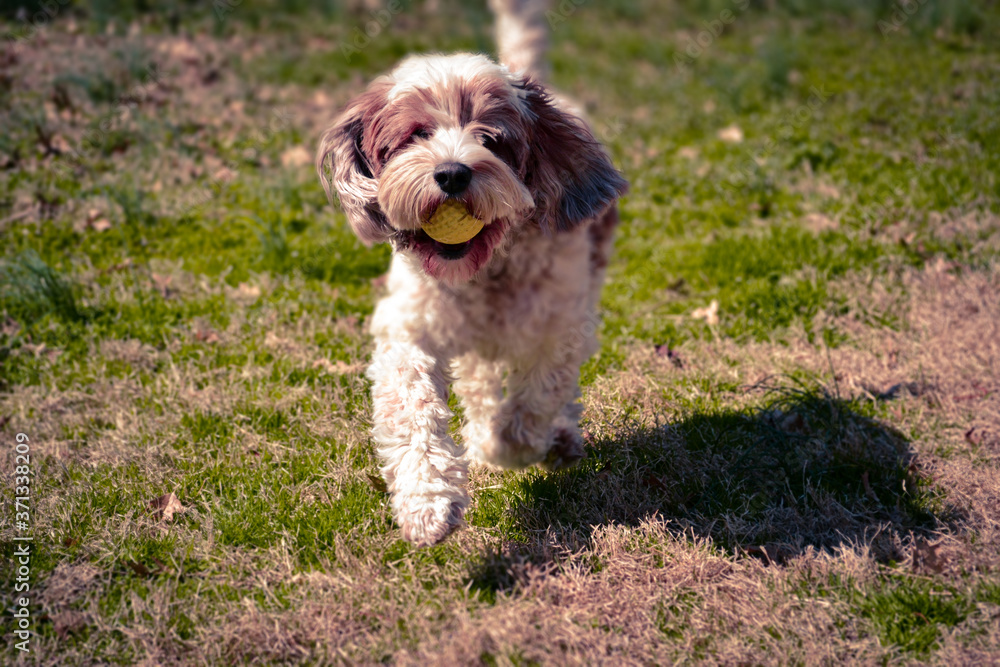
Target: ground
(793,423)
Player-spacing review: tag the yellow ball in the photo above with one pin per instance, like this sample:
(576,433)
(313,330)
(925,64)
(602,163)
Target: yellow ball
(451,223)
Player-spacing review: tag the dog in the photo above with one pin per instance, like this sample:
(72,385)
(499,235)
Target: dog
(505,318)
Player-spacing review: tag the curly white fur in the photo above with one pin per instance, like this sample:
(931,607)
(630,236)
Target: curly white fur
(509,316)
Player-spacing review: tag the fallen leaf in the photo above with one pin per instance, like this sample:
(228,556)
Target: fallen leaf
(138,568)
(710,313)
(817,222)
(8,161)
(68,622)
(377,483)
(223,175)
(206,336)
(321,99)
(688,152)
(245,293)
(941,266)
(297,156)
(120,266)
(166,506)
(96,220)
(9,326)
(731,135)
(162,284)
(59,144)
(183,50)
(928,558)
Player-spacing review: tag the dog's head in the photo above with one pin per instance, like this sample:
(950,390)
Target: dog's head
(461,127)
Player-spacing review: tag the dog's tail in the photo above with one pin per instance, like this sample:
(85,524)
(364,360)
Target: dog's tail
(522,33)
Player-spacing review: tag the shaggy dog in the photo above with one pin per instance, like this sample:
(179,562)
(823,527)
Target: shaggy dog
(507,317)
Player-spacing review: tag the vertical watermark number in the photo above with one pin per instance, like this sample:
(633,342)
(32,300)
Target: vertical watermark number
(22,542)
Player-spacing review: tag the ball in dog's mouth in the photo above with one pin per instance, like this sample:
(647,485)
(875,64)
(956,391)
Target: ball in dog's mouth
(452,225)
(453,262)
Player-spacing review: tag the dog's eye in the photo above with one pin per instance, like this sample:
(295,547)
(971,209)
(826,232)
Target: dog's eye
(420,133)
(500,147)
(491,143)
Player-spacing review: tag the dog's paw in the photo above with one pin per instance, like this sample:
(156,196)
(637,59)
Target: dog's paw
(425,521)
(566,450)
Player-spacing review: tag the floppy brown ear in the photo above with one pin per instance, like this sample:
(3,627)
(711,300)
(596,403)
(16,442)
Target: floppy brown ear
(569,173)
(350,171)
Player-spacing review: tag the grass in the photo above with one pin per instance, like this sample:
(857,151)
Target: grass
(911,618)
(812,478)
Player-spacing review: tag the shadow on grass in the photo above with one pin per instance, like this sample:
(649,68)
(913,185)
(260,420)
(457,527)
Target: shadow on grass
(806,470)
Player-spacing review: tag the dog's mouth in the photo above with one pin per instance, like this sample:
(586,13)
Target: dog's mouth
(453,262)
(449,251)
(421,243)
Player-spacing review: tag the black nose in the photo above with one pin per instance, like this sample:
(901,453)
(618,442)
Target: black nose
(453,177)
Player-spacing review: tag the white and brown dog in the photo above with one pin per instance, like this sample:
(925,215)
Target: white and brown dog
(508,316)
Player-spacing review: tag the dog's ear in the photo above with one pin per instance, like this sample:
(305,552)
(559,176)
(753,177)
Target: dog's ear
(568,172)
(350,170)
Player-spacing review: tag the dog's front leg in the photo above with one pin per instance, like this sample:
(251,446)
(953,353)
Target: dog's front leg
(537,422)
(423,467)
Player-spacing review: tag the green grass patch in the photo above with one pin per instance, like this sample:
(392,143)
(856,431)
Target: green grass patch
(912,616)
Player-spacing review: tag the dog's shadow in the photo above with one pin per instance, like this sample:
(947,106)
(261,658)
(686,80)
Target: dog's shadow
(809,470)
